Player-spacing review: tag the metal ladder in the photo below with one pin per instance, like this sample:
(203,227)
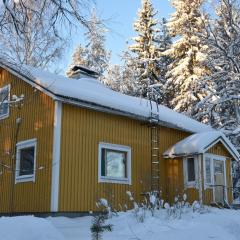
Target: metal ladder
(155,153)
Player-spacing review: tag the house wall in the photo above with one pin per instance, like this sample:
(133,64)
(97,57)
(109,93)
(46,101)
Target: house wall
(82,130)
(175,181)
(37,114)
(220,150)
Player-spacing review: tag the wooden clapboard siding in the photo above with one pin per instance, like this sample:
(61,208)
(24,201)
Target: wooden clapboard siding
(82,130)
(37,114)
(175,182)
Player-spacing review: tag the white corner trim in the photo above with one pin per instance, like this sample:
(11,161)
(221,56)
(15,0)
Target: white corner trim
(56,156)
(103,179)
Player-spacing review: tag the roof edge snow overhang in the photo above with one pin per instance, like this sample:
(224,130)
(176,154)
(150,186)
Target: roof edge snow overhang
(85,104)
(219,139)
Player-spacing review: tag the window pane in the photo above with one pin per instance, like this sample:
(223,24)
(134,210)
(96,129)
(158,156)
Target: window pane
(191,169)
(218,167)
(4,97)
(26,161)
(208,170)
(115,163)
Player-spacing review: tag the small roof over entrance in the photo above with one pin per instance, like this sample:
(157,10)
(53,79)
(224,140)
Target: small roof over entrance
(200,143)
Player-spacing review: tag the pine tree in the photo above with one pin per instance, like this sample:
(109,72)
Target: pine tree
(221,108)
(144,48)
(93,55)
(184,74)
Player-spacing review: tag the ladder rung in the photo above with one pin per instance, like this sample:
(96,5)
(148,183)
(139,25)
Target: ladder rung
(155,177)
(155,162)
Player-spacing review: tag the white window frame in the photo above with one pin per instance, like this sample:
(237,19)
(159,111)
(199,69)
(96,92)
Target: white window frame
(190,184)
(21,145)
(208,185)
(3,116)
(106,179)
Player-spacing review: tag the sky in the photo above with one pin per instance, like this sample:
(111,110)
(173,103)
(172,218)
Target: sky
(118,16)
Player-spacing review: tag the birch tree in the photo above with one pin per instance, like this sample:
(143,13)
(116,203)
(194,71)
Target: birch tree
(221,108)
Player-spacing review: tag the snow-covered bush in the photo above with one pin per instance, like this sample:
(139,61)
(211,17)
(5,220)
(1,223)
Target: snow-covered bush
(197,207)
(139,210)
(179,207)
(104,206)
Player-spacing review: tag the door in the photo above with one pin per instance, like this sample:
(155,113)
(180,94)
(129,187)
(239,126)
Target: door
(219,181)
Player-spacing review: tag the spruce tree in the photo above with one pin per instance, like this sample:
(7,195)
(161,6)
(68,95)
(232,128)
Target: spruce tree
(144,48)
(186,70)
(164,43)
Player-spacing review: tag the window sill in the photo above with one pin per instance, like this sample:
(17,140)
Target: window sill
(208,186)
(192,185)
(114,180)
(29,178)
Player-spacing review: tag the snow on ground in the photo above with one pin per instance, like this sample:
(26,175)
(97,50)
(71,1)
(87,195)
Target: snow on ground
(28,228)
(217,224)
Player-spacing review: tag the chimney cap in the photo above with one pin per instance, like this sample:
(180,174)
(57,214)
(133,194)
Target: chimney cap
(79,69)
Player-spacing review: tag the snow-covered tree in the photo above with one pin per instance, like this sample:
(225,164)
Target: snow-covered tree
(93,55)
(36,45)
(164,43)
(221,108)
(113,78)
(123,78)
(97,56)
(186,70)
(144,48)
(57,11)
(78,58)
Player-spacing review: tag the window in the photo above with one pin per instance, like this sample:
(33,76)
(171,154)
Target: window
(114,163)
(190,170)
(26,161)
(4,98)
(208,177)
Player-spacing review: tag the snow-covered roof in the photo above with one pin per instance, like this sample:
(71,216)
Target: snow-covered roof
(90,93)
(200,143)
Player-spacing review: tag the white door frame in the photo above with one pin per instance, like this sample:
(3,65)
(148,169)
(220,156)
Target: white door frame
(220,158)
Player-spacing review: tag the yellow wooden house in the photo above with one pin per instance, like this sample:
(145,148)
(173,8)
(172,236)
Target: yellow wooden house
(65,143)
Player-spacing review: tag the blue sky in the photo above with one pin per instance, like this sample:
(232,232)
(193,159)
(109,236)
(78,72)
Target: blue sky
(119,16)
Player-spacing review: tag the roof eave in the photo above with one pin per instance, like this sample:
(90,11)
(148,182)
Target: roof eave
(31,80)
